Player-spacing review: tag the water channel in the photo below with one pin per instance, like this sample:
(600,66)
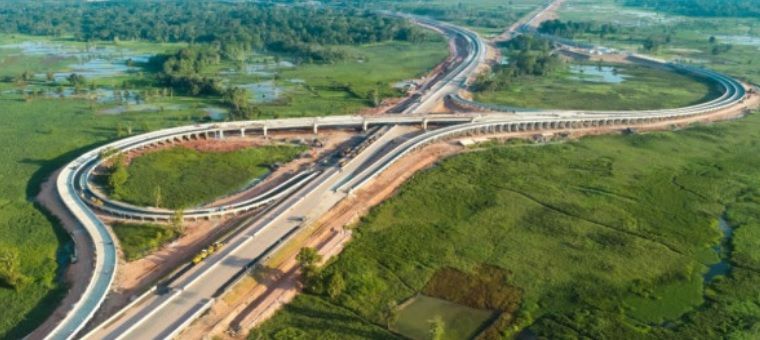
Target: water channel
(722,267)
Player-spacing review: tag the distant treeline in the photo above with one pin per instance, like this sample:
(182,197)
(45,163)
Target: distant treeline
(235,27)
(568,29)
(702,8)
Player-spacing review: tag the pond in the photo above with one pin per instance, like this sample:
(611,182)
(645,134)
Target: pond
(215,113)
(99,95)
(722,267)
(460,322)
(143,107)
(739,40)
(263,92)
(595,73)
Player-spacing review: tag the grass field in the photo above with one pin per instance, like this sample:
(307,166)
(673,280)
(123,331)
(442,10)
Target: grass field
(183,178)
(377,67)
(138,240)
(460,322)
(607,237)
(641,88)
(487,17)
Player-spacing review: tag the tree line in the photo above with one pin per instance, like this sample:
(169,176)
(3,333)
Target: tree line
(569,29)
(235,27)
(702,8)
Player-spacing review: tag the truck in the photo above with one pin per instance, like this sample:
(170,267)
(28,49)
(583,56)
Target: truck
(206,252)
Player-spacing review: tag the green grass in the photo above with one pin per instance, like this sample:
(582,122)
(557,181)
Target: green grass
(314,318)
(377,66)
(607,237)
(138,240)
(460,322)
(487,17)
(187,177)
(643,88)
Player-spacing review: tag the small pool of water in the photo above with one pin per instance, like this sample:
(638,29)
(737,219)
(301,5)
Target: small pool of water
(722,267)
(739,39)
(215,113)
(142,107)
(100,95)
(594,73)
(263,92)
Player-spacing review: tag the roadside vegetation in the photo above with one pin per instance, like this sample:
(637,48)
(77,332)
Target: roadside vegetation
(607,237)
(180,177)
(138,240)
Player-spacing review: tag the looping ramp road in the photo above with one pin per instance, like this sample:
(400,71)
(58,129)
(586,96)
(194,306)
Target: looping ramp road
(159,316)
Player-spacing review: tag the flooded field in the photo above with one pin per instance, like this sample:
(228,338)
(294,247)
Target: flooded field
(263,92)
(88,61)
(739,40)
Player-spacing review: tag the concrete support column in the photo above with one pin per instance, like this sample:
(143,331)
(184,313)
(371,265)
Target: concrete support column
(365,124)
(425,124)
(315,127)
(264,129)
(242,132)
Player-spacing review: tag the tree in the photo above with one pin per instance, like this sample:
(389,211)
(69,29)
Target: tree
(237,98)
(308,258)
(390,314)
(10,267)
(158,199)
(374,97)
(178,220)
(437,328)
(118,176)
(76,80)
(336,285)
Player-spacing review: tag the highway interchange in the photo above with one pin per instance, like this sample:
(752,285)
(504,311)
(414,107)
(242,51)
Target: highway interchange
(309,194)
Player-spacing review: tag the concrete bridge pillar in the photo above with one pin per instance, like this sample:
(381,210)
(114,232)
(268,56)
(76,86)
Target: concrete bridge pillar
(315,127)
(242,132)
(425,124)
(264,130)
(365,124)
(221,134)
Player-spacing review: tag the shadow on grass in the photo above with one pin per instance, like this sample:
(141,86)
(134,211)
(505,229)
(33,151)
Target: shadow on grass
(38,314)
